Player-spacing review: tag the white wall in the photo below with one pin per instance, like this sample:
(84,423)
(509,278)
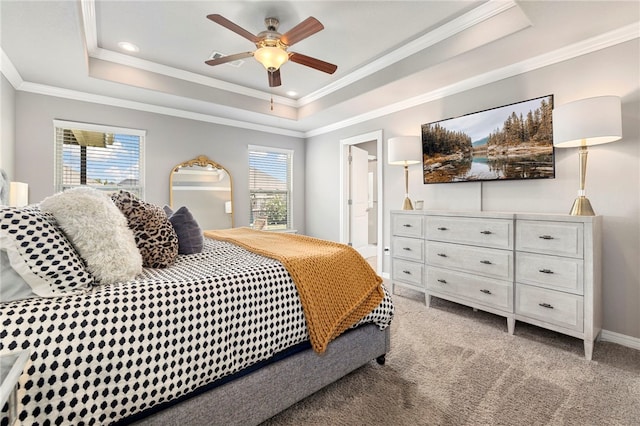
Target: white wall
(7,126)
(613,178)
(169,141)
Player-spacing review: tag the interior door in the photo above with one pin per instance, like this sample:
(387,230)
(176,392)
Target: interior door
(359,198)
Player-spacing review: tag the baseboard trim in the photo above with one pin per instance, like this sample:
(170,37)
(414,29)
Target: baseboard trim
(621,339)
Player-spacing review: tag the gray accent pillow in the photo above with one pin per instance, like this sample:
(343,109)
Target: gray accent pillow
(190,236)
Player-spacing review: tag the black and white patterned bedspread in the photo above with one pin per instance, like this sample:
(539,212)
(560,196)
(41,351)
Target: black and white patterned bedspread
(101,356)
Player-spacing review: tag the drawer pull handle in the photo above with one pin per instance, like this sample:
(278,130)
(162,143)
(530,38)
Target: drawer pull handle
(442,228)
(406,248)
(486,232)
(546,305)
(546,237)
(442,281)
(485,291)
(407,272)
(407,225)
(546,271)
(442,255)
(486,262)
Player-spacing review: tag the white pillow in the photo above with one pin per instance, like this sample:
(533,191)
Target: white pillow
(98,231)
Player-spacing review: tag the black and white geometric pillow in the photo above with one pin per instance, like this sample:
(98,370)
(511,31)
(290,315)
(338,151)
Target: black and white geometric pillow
(40,252)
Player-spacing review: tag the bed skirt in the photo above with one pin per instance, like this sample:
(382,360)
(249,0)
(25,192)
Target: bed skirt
(254,398)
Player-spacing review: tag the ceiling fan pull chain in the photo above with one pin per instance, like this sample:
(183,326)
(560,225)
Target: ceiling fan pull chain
(271,102)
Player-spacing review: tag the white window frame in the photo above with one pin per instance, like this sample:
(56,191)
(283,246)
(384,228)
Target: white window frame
(58,160)
(290,153)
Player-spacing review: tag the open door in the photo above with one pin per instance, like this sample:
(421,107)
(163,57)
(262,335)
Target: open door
(359,199)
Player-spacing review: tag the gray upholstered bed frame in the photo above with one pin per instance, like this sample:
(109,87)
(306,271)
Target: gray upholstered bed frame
(252,399)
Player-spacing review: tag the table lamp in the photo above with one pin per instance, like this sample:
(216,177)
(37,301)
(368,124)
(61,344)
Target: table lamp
(18,194)
(583,123)
(404,151)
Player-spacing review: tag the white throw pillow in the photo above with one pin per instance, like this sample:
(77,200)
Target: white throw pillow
(98,231)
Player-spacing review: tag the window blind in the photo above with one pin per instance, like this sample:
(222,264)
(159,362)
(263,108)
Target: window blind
(270,186)
(103,157)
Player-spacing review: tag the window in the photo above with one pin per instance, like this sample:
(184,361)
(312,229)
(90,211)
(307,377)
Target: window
(270,186)
(103,157)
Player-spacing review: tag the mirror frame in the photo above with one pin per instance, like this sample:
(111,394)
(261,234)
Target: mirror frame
(202,161)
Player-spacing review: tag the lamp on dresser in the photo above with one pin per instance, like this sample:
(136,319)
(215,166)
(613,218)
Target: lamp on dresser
(583,123)
(405,151)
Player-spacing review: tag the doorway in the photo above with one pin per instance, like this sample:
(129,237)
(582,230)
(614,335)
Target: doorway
(361,195)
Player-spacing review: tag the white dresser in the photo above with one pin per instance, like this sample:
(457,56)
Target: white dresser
(536,268)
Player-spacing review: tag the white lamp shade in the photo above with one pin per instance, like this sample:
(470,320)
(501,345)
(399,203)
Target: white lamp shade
(587,122)
(18,194)
(404,150)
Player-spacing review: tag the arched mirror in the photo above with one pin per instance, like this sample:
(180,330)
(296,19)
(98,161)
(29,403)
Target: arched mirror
(205,188)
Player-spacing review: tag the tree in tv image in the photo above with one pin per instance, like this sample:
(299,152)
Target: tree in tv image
(510,142)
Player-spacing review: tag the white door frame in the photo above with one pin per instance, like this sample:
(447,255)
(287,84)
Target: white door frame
(344,193)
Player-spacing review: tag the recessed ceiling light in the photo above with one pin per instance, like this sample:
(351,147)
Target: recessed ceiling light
(129,47)
(292,93)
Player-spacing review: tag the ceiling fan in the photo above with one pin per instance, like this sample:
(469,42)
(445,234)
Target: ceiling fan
(271,46)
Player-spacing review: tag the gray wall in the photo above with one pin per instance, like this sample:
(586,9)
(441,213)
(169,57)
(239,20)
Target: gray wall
(169,141)
(7,126)
(613,178)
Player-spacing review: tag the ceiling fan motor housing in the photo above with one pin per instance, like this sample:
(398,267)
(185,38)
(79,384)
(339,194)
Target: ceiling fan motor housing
(272,24)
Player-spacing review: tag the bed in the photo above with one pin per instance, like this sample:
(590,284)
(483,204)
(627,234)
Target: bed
(217,337)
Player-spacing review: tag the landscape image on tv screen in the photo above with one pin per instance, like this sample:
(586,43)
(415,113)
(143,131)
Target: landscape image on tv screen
(510,142)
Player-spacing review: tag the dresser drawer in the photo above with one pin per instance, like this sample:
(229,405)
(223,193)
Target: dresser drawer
(409,272)
(494,233)
(406,225)
(558,238)
(550,306)
(488,292)
(407,248)
(491,263)
(558,273)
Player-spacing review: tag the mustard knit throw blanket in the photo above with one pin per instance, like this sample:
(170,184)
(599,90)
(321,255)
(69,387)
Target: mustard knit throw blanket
(337,286)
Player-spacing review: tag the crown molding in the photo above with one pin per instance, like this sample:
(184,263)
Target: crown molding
(9,70)
(593,44)
(479,14)
(119,58)
(42,89)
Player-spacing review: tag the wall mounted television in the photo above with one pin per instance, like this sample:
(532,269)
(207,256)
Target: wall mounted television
(510,142)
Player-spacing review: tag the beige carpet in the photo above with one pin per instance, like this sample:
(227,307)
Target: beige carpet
(449,365)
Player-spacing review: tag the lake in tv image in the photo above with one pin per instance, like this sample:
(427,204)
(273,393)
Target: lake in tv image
(510,142)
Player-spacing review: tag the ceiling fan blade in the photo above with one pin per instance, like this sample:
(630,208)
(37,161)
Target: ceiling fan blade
(228,58)
(312,62)
(274,78)
(219,19)
(301,31)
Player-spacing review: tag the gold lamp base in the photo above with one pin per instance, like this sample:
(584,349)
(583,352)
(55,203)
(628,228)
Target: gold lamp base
(582,207)
(407,204)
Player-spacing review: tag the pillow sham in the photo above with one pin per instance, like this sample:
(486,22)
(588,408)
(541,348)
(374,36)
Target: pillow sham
(155,237)
(40,253)
(190,236)
(12,285)
(99,232)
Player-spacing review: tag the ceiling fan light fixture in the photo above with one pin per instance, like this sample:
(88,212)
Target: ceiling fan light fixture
(271,57)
